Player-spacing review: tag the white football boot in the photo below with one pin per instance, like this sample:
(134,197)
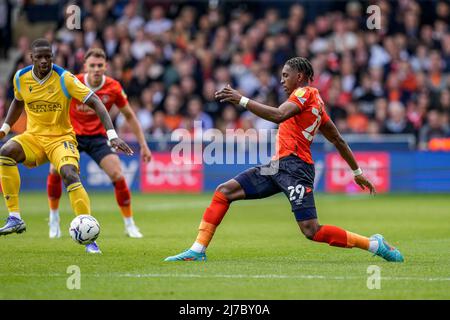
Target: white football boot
(132,231)
(54,230)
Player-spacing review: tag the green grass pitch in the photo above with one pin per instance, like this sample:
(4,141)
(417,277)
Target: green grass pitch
(257,253)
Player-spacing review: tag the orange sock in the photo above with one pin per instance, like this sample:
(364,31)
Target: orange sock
(205,233)
(123,197)
(212,217)
(338,237)
(53,203)
(54,190)
(126,211)
(332,235)
(355,240)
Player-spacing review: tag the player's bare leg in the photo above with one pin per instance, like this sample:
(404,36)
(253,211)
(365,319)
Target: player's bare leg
(54,191)
(79,199)
(112,167)
(338,237)
(225,194)
(11,154)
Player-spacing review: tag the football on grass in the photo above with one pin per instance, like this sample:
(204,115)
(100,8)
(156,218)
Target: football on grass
(84,229)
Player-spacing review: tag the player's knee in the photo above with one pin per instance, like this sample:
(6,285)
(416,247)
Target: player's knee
(309,230)
(227,190)
(69,175)
(5,151)
(222,188)
(10,151)
(309,234)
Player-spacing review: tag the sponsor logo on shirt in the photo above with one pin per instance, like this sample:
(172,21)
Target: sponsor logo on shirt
(42,106)
(299,93)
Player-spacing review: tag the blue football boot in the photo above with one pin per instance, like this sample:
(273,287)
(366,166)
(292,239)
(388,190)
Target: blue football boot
(13,225)
(93,248)
(187,255)
(386,251)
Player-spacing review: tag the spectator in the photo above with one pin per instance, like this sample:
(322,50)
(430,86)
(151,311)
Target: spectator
(5,27)
(194,51)
(444,101)
(139,81)
(144,117)
(357,121)
(228,120)
(158,129)
(211,106)
(397,123)
(188,87)
(195,113)
(141,45)
(90,31)
(342,125)
(111,43)
(365,96)
(437,80)
(434,128)
(130,19)
(381,110)
(342,39)
(373,129)
(172,107)
(158,22)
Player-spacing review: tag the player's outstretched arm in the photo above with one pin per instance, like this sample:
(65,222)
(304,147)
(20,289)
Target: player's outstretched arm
(95,103)
(332,134)
(14,112)
(277,115)
(132,120)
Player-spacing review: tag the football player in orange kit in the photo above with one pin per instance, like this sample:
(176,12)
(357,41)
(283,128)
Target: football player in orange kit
(299,119)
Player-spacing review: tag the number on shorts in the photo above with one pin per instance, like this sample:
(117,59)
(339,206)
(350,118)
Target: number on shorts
(298,189)
(68,145)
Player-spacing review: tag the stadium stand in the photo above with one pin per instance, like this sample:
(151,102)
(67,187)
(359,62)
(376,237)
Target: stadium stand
(169,56)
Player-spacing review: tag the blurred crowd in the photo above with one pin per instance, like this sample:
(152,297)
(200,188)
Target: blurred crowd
(171,57)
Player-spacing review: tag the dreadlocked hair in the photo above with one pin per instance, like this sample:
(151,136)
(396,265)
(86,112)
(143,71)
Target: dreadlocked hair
(302,65)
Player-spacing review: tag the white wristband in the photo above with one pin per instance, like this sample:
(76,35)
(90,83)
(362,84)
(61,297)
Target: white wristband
(111,133)
(243,102)
(5,128)
(357,172)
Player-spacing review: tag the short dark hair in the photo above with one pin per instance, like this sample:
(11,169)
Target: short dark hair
(95,52)
(41,42)
(302,65)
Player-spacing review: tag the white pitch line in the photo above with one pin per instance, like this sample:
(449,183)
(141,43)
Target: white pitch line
(225,276)
(270,276)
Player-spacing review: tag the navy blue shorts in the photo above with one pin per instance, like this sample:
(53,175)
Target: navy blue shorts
(97,147)
(294,177)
